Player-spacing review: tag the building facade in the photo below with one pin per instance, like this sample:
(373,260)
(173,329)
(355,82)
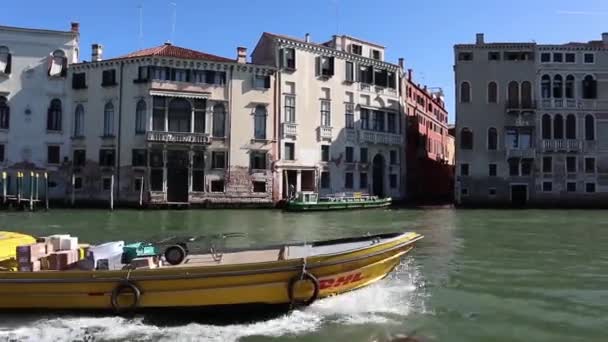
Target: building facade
(429,167)
(339,122)
(528,118)
(33,99)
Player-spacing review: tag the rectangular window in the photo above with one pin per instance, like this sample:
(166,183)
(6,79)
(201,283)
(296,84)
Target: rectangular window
(589,165)
(200,112)
(391,121)
(138,157)
(465,56)
(558,58)
(571,186)
(106,183)
(108,78)
(325,66)
(589,58)
(325,113)
(290,109)
(590,188)
(107,157)
(363,181)
(363,155)
(257,160)
(219,121)
(79,80)
(493,56)
(348,180)
(156,179)
(393,157)
(571,164)
(526,167)
(376,55)
(513,167)
(217,186)
(142,74)
(349,116)
(259,187)
(261,82)
(547,186)
(79,158)
(492,170)
(180,75)
(156,158)
(350,72)
(290,153)
(356,49)
(547,164)
(545,57)
(210,77)
(464,169)
(325,180)
(218,160)
(259,124)
(570,58)
(158,115)
(53,155)
(77,183)
(198,180)
(288,60)
(349,154)
(364,118)
(324,153)
(378,121)
(392,180)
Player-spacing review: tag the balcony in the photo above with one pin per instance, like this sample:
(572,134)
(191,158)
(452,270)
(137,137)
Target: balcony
(522,153)
(178,138)
(516,107)
(324,133)
(380,90)
(290,129)
(562,145)
(593,104)
(187,89)
(382,138)
(558,103)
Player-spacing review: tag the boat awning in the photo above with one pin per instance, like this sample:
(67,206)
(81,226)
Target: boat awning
(180,94)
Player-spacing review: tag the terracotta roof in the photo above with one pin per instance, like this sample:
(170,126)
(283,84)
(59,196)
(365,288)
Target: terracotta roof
(168,50)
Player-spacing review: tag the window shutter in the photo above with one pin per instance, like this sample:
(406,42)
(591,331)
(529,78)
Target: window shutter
(593,91)
(7,70)
(331,66)
(267,82)
(317,66)
(64,67)
(188,75)
(293,53)
(282,62)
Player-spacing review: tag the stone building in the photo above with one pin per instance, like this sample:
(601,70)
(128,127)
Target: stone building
(339,122)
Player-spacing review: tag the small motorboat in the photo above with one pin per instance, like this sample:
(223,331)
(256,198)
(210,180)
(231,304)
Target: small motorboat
(311,201)
(289,274)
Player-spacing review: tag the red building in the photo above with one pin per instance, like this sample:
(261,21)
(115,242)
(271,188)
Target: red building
(429,152)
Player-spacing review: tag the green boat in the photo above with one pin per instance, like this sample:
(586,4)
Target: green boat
(311,201)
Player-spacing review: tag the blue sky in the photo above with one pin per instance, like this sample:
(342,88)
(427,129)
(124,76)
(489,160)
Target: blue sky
(423,32)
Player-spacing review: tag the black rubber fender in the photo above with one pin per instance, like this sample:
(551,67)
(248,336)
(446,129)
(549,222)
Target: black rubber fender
(302,277)
(124,287)
(178,251)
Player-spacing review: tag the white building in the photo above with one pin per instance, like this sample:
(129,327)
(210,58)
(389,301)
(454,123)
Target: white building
(339,113)
(34,100)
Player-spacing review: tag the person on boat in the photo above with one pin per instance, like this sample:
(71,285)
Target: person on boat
(292,191)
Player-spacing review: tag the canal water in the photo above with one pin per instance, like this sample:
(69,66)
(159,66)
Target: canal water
(478,275)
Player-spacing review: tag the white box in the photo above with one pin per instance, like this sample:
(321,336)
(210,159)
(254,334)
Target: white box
(56,240)
(69,243)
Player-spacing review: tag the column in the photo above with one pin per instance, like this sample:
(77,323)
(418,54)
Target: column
(209,119)
(165,171)
(166,115)
(190,166)
(192,119)
(299,181)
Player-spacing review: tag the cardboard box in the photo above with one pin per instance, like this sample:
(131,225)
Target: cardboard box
(56,240)
(145,262)
(30,253)
(62,259)
(68,243)
(33,266)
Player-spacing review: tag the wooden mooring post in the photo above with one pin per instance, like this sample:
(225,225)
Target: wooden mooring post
(46,191)
(19,187)
(4,187)
(37,186)
(112,193)
(141,191)
(31,190)
(73,194)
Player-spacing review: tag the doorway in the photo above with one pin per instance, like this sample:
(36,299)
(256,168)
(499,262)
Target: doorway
(378,176)
(177,176)
(519,195)
(290,179)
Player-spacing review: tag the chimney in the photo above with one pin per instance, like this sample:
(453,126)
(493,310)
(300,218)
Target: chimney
(307,38)
(410,73)
(241,55)
(96,52)
(479,40)
(605,38)
(401,62)
(75,27)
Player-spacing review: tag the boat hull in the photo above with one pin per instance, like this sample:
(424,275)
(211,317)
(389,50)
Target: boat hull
(257,283)
(325,206)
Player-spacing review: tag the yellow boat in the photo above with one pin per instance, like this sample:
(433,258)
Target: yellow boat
(295,274)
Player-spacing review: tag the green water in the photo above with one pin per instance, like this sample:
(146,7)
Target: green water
(478,275)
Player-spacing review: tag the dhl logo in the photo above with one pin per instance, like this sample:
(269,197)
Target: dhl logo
(341,281)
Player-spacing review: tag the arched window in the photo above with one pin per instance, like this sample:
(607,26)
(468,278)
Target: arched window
(492,92)
(58,64)
(53,117)
(260,122)
(466,139)
(570,126)
(526,94)
(108,120)
(589,87)
(140,117)
(558,83)
(219,121)
(513,94)
(5,113)
(558,127)
(5,60)
(79,121)
(589,127)
(546,127)
(465,92)
(546,86)
(569,87)
(492,139)
(180,115)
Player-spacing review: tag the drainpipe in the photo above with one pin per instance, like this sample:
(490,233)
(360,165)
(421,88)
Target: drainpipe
(228,135)
(122,64)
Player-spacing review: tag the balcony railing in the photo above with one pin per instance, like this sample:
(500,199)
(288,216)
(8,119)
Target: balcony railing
(178,137)
(383,138)
(377,89)
(325,133)
(520,106)
(562,145)
(290,129)
(593,104)
(558,103)
(523,153)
